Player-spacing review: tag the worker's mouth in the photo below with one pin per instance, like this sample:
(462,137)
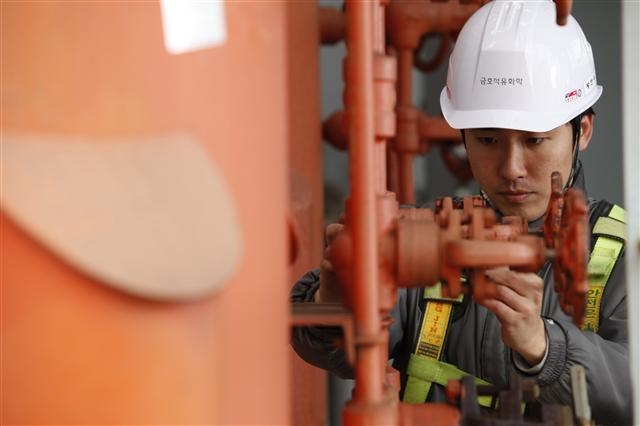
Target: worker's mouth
(516,196)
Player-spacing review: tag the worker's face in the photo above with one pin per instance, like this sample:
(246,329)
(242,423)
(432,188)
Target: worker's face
(514,167)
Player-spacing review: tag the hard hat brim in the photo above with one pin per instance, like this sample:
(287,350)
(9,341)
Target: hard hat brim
(530,121)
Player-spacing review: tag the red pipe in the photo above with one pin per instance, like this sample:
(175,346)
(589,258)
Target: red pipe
(380,161)
(406,143)
(331,25)
(563,9)
(489,254)
(392,170)
(407,22)
(437,129)
(405,82)
(386,206)
(406,193)
(368,373)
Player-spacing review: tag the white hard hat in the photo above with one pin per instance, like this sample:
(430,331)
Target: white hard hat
(513,67)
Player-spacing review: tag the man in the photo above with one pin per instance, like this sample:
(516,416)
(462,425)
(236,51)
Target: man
(521,89)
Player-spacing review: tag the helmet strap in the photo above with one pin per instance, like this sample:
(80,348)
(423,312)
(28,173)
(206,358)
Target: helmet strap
(576,128)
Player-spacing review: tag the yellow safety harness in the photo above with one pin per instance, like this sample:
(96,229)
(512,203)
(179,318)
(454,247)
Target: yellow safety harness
(610,233)
(425,366)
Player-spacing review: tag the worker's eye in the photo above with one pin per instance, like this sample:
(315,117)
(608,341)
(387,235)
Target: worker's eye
(486,140)
(536,140)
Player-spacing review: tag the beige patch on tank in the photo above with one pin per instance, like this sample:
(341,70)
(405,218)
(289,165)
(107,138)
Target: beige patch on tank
(149,216)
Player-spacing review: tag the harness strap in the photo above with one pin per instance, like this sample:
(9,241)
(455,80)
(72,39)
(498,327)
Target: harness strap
(423,371)
(424,366)
(432,334)
(618,213)
(611,233)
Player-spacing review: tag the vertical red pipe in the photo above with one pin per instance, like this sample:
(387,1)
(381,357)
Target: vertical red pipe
(405,100)
(380,148)
(405,169)
(405,82)
(392,170)
(368,373)
(380,161)
(380,171)
(308,383)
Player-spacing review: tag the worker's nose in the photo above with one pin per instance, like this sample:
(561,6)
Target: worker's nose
(513,164)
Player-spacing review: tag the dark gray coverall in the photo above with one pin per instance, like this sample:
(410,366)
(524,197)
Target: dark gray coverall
(474,344)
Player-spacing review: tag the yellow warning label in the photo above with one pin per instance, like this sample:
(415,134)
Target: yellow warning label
(434,329)
(592,308)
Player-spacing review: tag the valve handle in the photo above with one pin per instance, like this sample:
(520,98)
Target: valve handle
(553,217)
(571,248)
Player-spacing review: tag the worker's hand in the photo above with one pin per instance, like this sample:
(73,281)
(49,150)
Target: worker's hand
(329,291)
(517,306)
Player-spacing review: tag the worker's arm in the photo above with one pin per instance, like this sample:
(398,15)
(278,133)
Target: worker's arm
(604,355)
(316,345)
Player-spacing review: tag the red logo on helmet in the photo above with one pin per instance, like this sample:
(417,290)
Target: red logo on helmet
(573,95)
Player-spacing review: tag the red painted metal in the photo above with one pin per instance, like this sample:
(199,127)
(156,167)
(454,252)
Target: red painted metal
(564,232)
(408,22)
(334,130)
(563,10)
(75,351)
(553,216)
(308,397)
(331,25)
(422,247)
(362,201)
(416,131)
(570,266)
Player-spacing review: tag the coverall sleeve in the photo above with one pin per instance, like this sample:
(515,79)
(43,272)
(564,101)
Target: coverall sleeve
(604,355)
(316,345)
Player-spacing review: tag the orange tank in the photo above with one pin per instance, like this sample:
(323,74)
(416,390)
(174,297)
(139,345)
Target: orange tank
(154,314)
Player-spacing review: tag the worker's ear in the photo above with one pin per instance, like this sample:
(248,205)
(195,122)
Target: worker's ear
(586,131)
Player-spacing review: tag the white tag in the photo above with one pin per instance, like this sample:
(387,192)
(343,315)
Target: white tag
(191,25)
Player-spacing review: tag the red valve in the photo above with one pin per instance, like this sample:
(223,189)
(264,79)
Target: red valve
(565,231)
(553,217)
(571,256)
